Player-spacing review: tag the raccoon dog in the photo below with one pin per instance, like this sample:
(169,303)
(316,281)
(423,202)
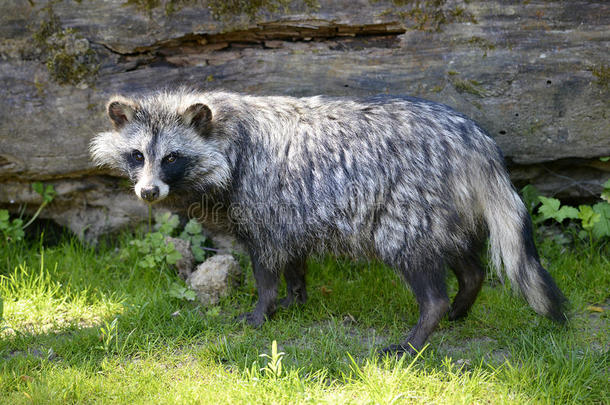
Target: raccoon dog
(399,179)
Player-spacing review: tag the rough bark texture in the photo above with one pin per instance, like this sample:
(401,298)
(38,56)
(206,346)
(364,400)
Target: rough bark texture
(535,74)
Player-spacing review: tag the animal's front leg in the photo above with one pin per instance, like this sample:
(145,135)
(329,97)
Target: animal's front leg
(266,283)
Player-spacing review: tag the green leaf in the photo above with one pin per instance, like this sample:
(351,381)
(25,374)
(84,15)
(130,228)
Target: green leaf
(550,209)
(549,206)
(605,158)
(173,257)
(17,232)
(198,253)
(530,196)
(48,194)
(161,217)
(38,187)
(193,227)
(156,237)
(166,222)
(12,230)
(214,311)
(143,248)
(602,227)
(180,292)
(190,295)
(146,262)
(566,212)
(606,192)
(588,217)
(198,239)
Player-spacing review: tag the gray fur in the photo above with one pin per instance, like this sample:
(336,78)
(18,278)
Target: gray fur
(403,180)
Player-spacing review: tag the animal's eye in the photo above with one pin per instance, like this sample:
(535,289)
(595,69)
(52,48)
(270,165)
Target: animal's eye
(137,156)
(171,158)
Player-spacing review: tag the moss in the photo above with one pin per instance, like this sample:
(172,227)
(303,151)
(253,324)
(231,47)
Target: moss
(468,86)
(482,43)
(222,9)
(169,6)
(226,9)
(602,73)
(66,54)
(144,5)
(428,15)
(39,87)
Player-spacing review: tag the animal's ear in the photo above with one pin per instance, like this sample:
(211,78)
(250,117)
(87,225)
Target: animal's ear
(121,111)
(199,116)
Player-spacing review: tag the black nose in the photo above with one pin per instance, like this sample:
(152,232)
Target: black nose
(150,193)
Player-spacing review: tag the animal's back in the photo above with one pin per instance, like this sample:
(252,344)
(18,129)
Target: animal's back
(372,176)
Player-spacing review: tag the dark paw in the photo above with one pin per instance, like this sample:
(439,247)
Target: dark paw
(457,314)
(285,302)
(397,351)
(290,300)
(252,318)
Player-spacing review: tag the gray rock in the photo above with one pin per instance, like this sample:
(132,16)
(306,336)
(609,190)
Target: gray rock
(185,265)
(214,278)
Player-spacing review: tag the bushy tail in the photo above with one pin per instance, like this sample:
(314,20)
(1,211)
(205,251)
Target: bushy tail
(512,244)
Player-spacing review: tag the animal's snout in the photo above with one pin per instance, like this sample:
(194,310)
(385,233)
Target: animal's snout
(149,194)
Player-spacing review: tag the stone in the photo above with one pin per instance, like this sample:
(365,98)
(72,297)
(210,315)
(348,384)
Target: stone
(214,278)
(185,265)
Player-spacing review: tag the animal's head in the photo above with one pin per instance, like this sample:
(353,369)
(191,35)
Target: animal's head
(166,143)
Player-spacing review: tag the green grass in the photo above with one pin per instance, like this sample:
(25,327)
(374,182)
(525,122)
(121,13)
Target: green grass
(60,343)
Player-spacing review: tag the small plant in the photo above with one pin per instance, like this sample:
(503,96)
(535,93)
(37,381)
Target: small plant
(166,223)
(155,251)
(594,220)
(13,231)
(550,209)
(273,369)
(194,233)
(108,335)
(48,193)
(1,313)
(181,292)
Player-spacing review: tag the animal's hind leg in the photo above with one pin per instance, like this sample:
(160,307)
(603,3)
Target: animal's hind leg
(428,285)
(294,274)
(470,275)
